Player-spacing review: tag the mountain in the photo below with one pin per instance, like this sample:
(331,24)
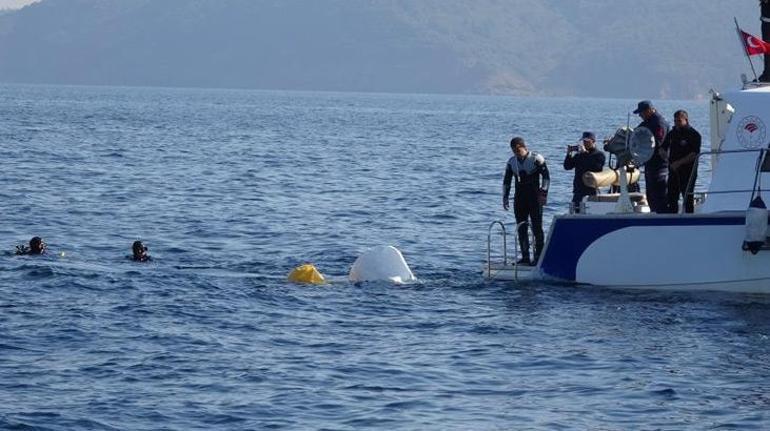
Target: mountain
(607,48)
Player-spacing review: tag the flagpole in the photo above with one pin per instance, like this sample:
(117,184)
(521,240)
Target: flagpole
(745,49)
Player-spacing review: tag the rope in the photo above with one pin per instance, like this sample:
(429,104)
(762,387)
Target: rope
(757,187)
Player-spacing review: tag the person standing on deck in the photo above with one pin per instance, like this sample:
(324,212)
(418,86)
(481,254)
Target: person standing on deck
(656,169)
(683,146)
(583,158)
(530,194)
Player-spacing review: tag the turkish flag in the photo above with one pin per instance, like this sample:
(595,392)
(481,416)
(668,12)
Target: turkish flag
(753,44)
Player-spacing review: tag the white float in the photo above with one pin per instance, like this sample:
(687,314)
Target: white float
(383,263)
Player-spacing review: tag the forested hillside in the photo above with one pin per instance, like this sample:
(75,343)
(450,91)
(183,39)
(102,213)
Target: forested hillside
(615,48)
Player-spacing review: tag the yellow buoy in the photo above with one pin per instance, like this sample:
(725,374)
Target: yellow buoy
(306,273)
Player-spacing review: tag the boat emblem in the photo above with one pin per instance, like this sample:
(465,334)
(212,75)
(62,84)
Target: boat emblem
(751,132)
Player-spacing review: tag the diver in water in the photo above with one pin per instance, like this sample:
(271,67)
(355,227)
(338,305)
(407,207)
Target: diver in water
(139,252)
(36,246)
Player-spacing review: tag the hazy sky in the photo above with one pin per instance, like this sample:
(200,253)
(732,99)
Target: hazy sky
(14,4)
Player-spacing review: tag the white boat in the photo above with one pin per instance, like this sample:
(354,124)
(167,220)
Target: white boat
(626,246)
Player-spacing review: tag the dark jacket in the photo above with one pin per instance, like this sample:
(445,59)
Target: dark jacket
(589,161)
(531,175)
(681,142)
(659,128)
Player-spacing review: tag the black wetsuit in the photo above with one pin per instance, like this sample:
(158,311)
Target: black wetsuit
(532,180)
(588,161)
(680,142)
(656,169)
(141,258)
(24,251)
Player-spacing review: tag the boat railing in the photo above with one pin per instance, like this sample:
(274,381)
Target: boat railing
(489,245)
(691,180)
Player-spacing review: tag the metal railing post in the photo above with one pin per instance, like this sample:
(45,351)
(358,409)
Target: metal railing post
(489,246)
(691,180)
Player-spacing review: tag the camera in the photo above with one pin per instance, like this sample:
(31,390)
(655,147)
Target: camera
(575,148)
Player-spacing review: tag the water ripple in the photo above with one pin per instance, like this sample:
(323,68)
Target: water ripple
(231,189)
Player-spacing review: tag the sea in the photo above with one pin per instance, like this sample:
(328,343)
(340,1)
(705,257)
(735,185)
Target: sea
(232,189)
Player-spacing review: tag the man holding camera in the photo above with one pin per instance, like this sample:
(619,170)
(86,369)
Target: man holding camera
(532,181)
(583,158)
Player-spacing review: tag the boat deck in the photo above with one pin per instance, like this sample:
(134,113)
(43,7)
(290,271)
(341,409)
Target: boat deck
(511,272)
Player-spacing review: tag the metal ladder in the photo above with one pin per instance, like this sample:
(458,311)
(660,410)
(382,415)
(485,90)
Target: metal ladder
(504,234)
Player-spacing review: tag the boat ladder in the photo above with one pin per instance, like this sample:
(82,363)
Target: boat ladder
(491,267)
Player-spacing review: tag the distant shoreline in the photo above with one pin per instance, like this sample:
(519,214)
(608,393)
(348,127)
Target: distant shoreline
(701,98)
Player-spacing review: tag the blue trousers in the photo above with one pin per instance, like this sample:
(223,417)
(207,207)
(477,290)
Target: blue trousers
(656,184)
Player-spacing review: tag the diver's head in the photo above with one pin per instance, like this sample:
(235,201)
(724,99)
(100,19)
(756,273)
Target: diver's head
(139,250)
(36,245)
(519,147)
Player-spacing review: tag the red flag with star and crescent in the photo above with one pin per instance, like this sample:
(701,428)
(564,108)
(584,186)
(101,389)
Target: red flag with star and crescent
(753,44)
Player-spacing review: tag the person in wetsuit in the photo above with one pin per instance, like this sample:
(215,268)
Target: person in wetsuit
(531,192)
(583,158)
(656,169)
(36,247)
(139,251)
(683,146)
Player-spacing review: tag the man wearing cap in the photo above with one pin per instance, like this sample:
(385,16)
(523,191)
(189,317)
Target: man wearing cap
(656,169)
(583,158)
(532,181)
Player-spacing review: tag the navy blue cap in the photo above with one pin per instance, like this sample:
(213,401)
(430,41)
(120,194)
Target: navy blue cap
(589,135)
(643,106)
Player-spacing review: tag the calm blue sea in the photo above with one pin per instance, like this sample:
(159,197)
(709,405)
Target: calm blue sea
(232,189)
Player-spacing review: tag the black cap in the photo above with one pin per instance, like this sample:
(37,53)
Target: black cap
(643,106)
(589,135)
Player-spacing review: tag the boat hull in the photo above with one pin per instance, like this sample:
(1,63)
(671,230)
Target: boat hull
(655,251)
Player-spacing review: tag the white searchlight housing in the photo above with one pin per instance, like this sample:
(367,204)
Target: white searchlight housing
(630,147)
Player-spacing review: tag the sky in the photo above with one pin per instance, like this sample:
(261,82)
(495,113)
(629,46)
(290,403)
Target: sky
(14,4)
